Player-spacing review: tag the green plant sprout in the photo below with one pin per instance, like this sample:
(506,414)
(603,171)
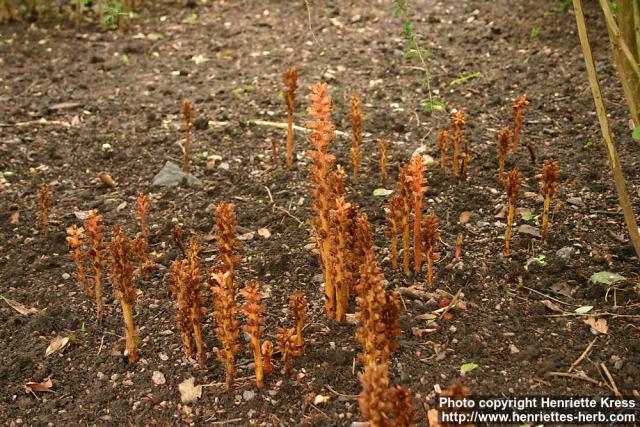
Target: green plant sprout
(111,11)
(535,32)
(462,78)
(414,49)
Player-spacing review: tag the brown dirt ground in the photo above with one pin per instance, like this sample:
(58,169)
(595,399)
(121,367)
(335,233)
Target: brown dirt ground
(134,106)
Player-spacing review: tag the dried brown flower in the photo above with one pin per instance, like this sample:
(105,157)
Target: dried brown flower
(76,240)
(417,188)
(394,213)
(187,117)
(406,195)
(341,218)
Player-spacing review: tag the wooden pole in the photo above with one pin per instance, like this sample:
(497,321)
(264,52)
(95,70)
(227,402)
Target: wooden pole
(614,162)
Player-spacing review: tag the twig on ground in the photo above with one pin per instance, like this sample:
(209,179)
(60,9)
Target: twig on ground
(613,387)
(583,355)
(580,376)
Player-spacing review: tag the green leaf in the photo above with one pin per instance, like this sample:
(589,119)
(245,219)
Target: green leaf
(432,105)
(606,278)
(381,192)
(526,215)
(467,367)
(584,309)
(190,19)
(636,133)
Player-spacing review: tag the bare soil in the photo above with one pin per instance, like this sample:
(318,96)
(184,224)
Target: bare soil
(125,89)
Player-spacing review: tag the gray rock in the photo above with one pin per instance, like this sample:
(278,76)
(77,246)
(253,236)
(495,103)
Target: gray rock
(171,175)
(565,253)
(530,230)
(248,395)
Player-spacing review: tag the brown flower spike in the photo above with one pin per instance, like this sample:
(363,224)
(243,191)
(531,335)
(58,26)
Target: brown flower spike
(384,145)
(323,133)
(431,236)
(458,121)
(97,247)
(179,288)
(187,117)
(518,119)
(405,191)
(417,188)
(512,188)
(290,78)
(381,405)
(226,232)
(341,219)
(253,310)
(124,286)
(45,199)
(298,308)
(504,138)
(550,174)
(286,339)
(225,313)
(76,239)
(356,136)
(194,297)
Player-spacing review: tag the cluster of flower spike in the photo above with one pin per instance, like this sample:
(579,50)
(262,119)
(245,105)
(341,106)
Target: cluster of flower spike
(187,288)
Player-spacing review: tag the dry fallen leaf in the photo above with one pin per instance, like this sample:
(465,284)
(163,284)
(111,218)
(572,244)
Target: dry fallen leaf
(599,325)
(465,217)
(15,218)
(56,344)
(551,306)
(20,308)
(189,391)
(82,215)
(44,386)
(106,179)
(264,232)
